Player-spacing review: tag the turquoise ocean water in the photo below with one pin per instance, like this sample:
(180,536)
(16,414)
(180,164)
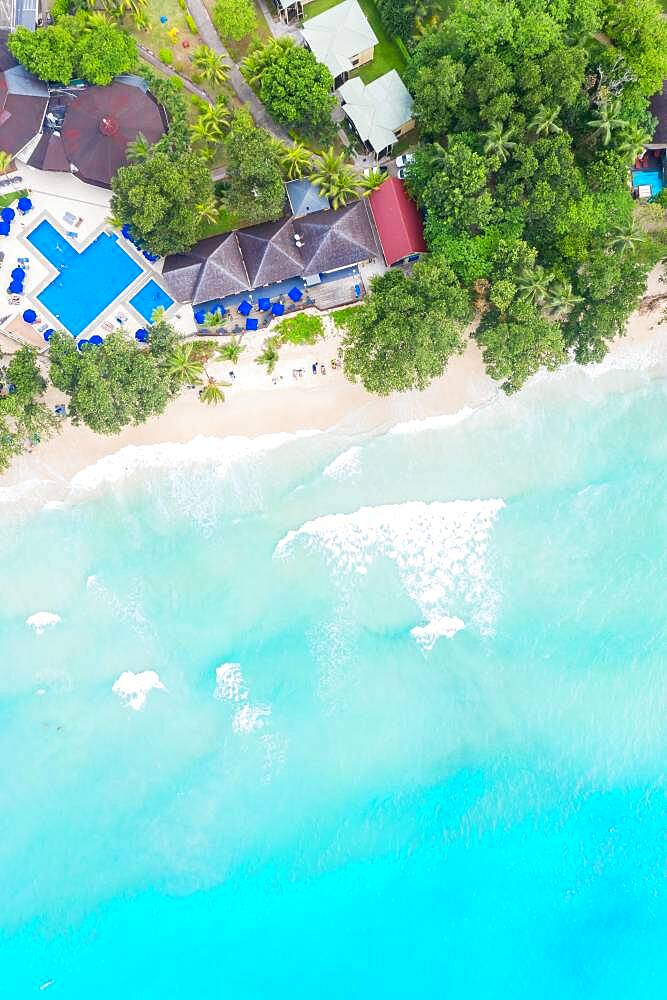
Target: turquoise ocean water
(406,732)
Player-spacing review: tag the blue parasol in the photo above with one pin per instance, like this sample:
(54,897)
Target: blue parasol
(7,214)
(295,294)
(18,273)
(30,315)
(48,334)
(245,307)
(277,308)
(96,340)
(200,316)
(251,324)
(141,335)
(15,288)
(4,228)
(263,304)
(24,204)
(83,343)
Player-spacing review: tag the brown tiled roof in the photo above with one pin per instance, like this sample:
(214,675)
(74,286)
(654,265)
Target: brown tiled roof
(659,111)
(337,238)
(270,252)
(212,269)
(49,153)
(23,101)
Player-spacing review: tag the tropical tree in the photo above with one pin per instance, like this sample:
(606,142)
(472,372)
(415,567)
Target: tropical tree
(295,160)
(138,149)
(607,121)
(545,122)
(261,56)
(269,355)
(5,161)
(234,18)
(297,89)
(560,300)
(335,179)
(623,241)
(132,7)
(633,142)
(208,211)
(256,189)
(231,351)
(533,285)
(211,65)
(212,393)
(371,182)
(183,365)
(141,21)
(213,320)
(499,142)
(214,118)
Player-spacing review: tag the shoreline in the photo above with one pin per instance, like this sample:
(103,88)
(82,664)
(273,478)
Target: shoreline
(260,406)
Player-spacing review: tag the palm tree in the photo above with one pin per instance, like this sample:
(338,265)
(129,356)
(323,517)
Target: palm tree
(533,285)
(183,366)
(255,63)
(334,178)
(560,300)
(633,142)
(545,121)
(607,121)
(211,65)
(269,355)
(371,182)
(212,393)
(132,7)
(138,149)
(5,161)
(141,21)
(207,211)
(499,142)
(215,118)
(231,351)
(114,221)
(622,241)
(213,320)
(295,160)
(99,19)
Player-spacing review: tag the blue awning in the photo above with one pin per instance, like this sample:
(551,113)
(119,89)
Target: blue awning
(263,304)
(252,323)
(245,307)
(24,205)
(30,315)
(8,214)
(295,294)
(277,308)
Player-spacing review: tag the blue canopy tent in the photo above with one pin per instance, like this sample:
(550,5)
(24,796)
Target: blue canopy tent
(277,308)
(96,339)
(48,334)
(24,204)
(18,273)
(29,315)
(245,307)
(15,288)
(200,316)
(8,214)
(263,304)
(141,335)
(251,323)
(4,228)
(295,294)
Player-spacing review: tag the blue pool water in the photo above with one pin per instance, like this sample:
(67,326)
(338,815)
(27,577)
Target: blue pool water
(150,298)
(329,798)
(88,281)
(651,177)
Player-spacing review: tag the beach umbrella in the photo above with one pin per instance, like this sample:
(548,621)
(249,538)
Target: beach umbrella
(200,316)
(4,228)
(83,343)
(125,231)
(30,315)
(48,334)
(152,257)
(141,335)
(277,308)
(263,304)
(18,273)
(245,307)
(251,324)
(295,294)
(15,288)
(96,340)
(8,214)
(24,204)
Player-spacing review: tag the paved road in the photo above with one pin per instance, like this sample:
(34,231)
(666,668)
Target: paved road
(244,93)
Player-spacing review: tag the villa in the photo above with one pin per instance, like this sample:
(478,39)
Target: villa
(398,223)
(649,173)
(290,10)
(341,38)
(381,111)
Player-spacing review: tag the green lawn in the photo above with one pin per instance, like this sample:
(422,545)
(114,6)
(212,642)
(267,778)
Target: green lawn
(387,54)
(9,199)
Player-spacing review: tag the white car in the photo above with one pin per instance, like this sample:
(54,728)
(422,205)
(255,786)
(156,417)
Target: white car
(403,160)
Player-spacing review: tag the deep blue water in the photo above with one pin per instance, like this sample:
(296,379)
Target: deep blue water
(330,797)
(88,281)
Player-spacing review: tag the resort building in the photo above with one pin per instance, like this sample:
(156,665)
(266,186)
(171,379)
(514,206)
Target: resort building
(214,268)
(398,223)
(290,10)
(381,111)
(23,102)
(19,14)
(650,170)
(341,38)
(305,198)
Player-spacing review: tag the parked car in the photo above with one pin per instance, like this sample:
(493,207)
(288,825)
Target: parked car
(403,160)
(371,170)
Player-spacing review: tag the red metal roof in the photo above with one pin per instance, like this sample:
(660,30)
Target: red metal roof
(397,220)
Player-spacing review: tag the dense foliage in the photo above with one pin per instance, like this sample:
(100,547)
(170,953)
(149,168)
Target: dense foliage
(297,89)
(117,383)
(24,417)
(76,46)
(234,18)
(256,190)
(303,328)
(531,113)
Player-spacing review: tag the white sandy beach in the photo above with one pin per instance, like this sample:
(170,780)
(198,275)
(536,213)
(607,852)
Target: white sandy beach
(260,404)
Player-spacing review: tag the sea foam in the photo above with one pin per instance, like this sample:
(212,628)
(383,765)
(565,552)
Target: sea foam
(133,689)
(439,548)
(42,620)
(229,683)
(345,465)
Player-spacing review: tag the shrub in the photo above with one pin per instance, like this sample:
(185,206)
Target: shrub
(166,56)
(191,23)
(234,18)
(183,5)
(300,329)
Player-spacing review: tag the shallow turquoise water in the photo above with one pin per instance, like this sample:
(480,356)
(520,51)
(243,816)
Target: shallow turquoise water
(363,810)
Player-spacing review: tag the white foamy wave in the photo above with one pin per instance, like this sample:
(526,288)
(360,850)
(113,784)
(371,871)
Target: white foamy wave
(229,683)
(218,452)
(346,465)
(435,423)
(439,549)
(250,717)
(42,620)
(8,494)
(133,689)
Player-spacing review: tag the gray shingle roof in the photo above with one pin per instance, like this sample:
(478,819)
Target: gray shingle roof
(305,198)
(659,110)
(337,238)
(270,252)
(212,269)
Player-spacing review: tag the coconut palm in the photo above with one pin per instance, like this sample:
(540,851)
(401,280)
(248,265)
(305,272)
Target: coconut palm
(633,142)
(560,300)
(213,320)
(231,351)
(183,366)
(607,122)
(211,65)
(99,19)
(295,160)
(545,121)
(533,285)
(141,21)
(622,241)
(5,161)
(212,393)
(215,118)
(132,7)
(499,142)
(138,149)
(256,62)
(335,178)
(269,355)
(371,181)
(207,211)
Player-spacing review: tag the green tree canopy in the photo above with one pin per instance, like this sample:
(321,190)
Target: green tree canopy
(23,414)
(75,46)
(104,53)
(157,199)
(48,53)
(256,190)
(234,18)
(297,89)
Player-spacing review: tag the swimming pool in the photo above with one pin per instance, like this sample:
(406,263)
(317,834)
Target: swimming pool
(88,280)
(651,177)
(150,298)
